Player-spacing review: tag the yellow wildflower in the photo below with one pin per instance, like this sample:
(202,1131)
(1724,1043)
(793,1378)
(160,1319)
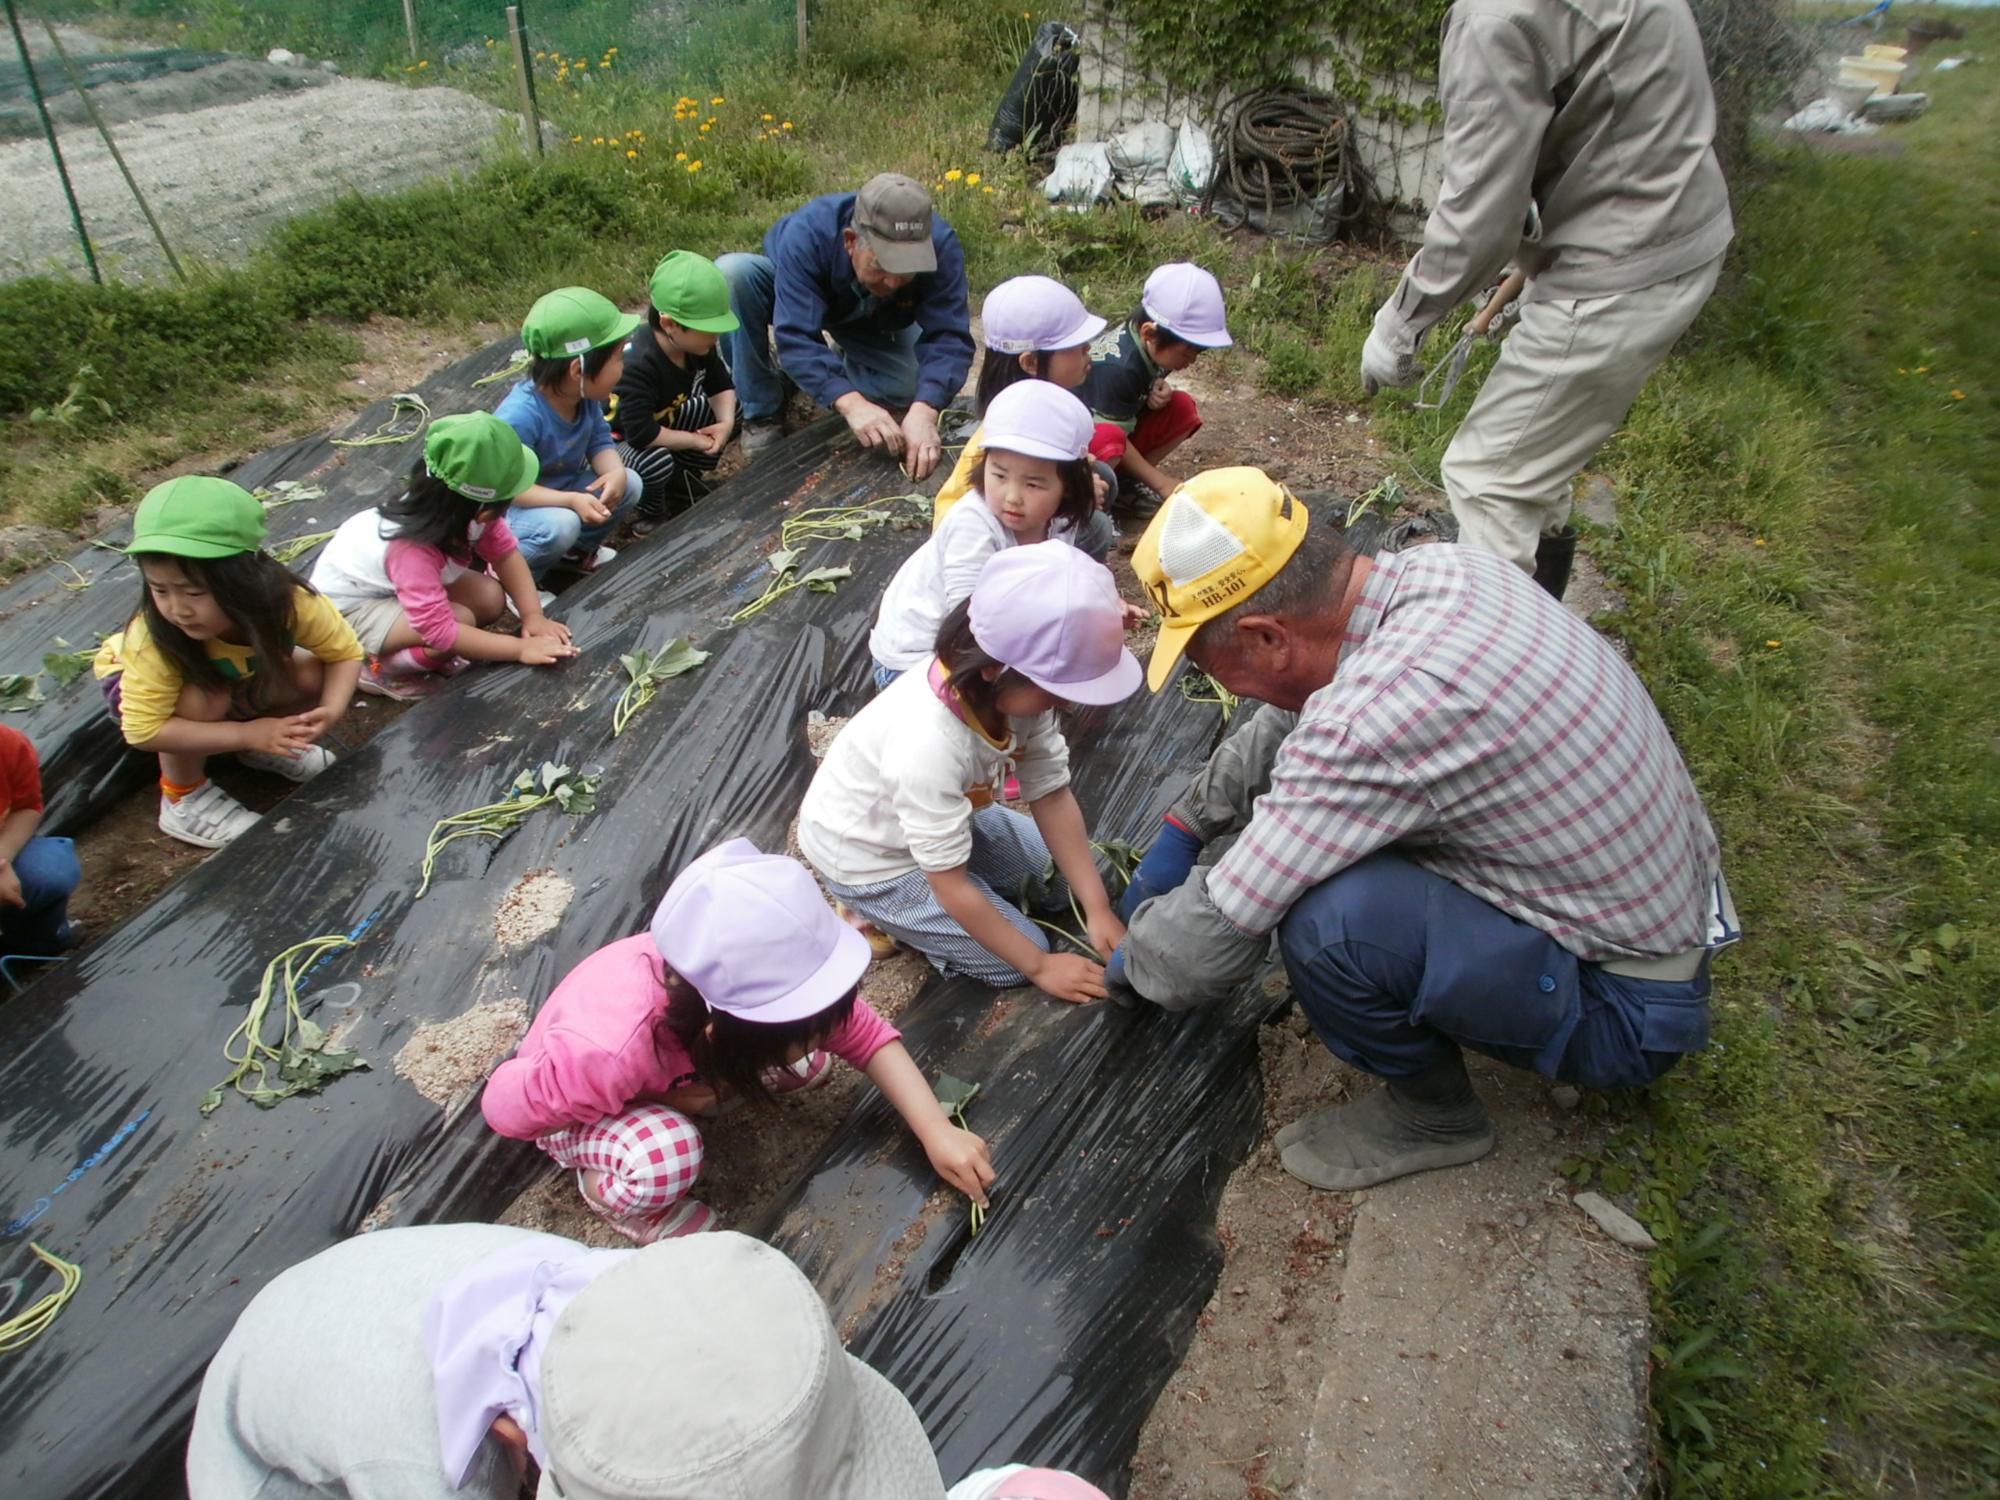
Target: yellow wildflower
(694,166)
(1757,541)
(425,63)
(631,156)
(1774,645)
(597,140)
(953,175)
(1957,395)
(986,190)
(576,140)
(972,179)
(786,126)
(583,62)
(718,99)
(680,156)
(1923,369)
(767,118)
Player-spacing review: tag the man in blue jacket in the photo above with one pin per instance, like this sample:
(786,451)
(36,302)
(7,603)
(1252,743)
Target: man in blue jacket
(885,277)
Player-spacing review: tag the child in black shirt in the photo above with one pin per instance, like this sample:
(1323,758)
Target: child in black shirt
(675,405)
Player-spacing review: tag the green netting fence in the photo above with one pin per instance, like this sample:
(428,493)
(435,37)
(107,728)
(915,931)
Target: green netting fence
(388,37)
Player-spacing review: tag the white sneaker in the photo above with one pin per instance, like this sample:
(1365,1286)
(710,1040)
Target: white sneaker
(207,817)
(307,764)
(599,558)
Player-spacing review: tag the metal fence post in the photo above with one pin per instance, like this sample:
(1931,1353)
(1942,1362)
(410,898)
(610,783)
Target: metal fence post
(55,149)
(410,25)
(77,82)
(517,38)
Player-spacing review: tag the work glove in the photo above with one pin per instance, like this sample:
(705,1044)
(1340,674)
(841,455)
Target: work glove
(1165,866)
(1119,988)
(1382,364)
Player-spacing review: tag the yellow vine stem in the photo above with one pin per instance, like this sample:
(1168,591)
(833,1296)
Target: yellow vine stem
(24,1328)
(257,1056)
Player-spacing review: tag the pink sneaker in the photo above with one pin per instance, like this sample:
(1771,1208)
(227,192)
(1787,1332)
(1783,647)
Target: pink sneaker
(689,1216)
(403,683)
(809,1072)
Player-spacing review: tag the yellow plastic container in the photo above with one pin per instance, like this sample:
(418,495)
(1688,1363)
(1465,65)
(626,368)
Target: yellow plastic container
(1885,74)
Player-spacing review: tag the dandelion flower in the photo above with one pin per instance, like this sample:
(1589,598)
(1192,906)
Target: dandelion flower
(1923,369)
(597,140)
(1757,541)
(425,63)
(694,166)
(986,190)
(583,62)
(1774,645)
(680,156)
(1957,395)
(631,156)
(953,175)
(718,99)
(786,126)
(972,179)
(767,117)
(576,140)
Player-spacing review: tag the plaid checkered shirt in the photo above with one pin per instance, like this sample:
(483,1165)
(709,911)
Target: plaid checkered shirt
(1497,740)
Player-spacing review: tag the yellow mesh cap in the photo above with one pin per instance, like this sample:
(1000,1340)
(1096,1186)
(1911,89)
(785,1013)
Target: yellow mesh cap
(1218,539)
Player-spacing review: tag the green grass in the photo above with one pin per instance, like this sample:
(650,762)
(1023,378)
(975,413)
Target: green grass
(1808,546)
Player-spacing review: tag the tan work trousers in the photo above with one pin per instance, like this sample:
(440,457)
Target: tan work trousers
(1568,372)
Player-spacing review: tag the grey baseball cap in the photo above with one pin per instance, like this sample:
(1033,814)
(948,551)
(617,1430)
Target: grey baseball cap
(892,214)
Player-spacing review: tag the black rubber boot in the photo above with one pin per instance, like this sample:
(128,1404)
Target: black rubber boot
(1408,1125)
(1553,556)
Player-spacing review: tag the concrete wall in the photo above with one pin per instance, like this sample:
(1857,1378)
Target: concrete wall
(1405,161)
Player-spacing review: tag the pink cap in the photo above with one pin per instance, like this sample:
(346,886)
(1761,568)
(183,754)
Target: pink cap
(753,934)
(1044,1484)
(1187,301)
(1054,616)
(1030,313)
(1038,418)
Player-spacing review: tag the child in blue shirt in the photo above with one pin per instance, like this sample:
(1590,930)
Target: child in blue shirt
(576,340)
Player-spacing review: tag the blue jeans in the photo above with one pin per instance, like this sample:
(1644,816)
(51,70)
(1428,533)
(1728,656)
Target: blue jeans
(548,533)
(884,676)
(882,362)
(49,871)
(1396,968)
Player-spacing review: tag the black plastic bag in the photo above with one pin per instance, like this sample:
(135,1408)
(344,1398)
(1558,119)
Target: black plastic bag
(1040,103)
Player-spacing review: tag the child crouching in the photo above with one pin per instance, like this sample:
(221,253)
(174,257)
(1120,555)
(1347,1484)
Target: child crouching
(743,985)
(404,577)
(230,652)
(901,818)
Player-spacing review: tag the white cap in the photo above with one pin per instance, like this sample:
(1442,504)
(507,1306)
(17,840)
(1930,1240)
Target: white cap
(1039,419)
(1187,302)
(1034,313)
(1053,615)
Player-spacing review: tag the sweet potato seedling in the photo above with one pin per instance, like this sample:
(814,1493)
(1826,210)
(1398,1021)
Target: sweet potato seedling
(552,785)
(304,1062)
(955,1096)
(647,670)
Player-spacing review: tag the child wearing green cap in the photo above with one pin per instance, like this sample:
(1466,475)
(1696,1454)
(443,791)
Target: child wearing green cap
(675,406)
(424,578)
(576,343)
(230,652)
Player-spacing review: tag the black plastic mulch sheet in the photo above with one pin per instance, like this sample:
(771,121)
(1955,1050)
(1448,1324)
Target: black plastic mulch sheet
(85,764)
(177,1219)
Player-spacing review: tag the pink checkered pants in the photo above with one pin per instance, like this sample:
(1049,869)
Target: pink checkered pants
(650,1157)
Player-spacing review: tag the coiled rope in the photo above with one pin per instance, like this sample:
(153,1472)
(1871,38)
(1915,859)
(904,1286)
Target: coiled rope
(1281,146)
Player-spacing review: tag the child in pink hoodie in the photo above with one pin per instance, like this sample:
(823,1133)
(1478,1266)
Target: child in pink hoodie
(744,976)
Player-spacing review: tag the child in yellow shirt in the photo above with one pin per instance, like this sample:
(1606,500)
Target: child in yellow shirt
(229,652)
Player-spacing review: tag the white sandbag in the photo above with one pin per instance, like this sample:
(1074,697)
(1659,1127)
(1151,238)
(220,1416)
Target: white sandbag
(1080,177)
(1139,155)
(1192,167)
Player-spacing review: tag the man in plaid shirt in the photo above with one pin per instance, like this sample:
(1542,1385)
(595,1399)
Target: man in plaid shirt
(1459,812)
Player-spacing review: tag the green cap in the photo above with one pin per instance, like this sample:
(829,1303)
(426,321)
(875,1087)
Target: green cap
(480,457)
(573,321)
(198,515)
(689,289)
